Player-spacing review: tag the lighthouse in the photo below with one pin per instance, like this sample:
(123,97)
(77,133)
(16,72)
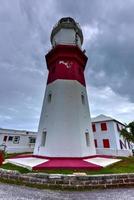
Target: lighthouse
(65,124)
(65,139)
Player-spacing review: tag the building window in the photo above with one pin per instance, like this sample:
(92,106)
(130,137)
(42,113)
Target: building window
(93,127)
(83,99)
(32,140)
(87,138)
(106,143)
(43,141)
(5,138)
(95,142)
(16,140)
(103,126)
(49,98)
(10,138)
(129,145)
(118,128)
(123,145)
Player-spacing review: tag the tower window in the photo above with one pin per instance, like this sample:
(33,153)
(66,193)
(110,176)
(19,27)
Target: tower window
(43,141)
(87,138)
(95,142)
(49,98)
(83,99)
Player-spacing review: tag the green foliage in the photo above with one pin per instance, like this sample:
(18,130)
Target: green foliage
(15,167)
(128,132)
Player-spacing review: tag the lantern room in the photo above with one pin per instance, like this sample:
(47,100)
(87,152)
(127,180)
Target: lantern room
(67,32)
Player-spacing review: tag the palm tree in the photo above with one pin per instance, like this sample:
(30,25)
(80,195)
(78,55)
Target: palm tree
(128,132)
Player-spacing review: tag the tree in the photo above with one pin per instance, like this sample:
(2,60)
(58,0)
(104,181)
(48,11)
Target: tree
(128,132)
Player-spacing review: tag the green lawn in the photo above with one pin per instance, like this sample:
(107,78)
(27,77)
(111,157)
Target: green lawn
(14,154)
(15,167)
(126,165)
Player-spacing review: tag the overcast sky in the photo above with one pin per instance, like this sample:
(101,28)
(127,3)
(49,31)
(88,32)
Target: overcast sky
(25,27)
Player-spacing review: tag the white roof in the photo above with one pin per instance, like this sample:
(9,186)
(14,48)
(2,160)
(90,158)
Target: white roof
(18,132)
(101,117)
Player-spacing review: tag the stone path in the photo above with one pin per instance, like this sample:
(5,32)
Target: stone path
(12,192)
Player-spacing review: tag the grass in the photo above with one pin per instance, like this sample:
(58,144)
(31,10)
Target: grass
(15,167)
(126,165)
(14,154)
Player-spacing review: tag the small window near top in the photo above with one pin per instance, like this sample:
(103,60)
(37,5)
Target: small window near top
(87,138)
(103,126)
(16,140)
(5,138)
(10,138)
(49,98)
(83,99)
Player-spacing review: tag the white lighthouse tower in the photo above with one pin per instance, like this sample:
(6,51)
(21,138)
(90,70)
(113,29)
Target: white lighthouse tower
(65,124)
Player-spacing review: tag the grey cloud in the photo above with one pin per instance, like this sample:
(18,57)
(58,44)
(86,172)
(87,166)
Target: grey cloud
(25,28)
(113,50)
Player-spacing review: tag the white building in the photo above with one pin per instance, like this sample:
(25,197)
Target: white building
(17,141)
(107,138)
(106,132)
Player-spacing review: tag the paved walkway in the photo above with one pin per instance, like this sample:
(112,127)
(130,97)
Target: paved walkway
(39,162)
(12,192)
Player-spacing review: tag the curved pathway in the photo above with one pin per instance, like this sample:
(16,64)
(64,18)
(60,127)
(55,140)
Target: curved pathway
(13,192)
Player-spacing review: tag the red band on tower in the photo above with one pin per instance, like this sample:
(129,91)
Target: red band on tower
(66,62)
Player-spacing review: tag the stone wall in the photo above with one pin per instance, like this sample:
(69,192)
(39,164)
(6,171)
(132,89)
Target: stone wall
(60,181)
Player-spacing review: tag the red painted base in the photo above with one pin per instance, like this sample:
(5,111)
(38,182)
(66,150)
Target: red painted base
(65,163)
